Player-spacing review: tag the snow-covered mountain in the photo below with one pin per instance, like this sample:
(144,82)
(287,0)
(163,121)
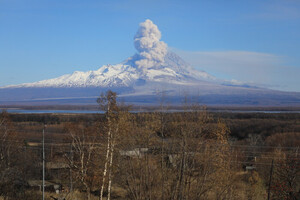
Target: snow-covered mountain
(153,62)
(153,68)
(127,74)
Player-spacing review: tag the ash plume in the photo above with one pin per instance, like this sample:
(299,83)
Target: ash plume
(151,50)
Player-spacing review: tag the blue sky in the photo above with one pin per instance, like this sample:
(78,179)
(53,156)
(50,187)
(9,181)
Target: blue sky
(255,41)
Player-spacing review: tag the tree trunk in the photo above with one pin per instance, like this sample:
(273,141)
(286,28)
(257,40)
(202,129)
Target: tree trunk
(110,170)
(106,163)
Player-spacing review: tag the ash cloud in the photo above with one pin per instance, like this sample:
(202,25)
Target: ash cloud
(151,50)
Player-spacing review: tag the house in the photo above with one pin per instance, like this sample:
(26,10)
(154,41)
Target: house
(49,186)
(134,153)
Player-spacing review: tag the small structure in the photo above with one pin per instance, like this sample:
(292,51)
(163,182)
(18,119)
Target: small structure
(250,168)
(57,165)
(49,186)
(137,152)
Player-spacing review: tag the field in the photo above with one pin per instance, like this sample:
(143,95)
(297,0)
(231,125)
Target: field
(191,154)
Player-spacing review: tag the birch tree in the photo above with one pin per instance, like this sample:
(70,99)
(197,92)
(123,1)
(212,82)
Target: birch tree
(116,116)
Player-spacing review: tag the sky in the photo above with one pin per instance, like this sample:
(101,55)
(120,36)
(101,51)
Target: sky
(255,42)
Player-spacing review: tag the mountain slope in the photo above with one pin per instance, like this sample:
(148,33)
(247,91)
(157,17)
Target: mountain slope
(151,70)
(153,63)
(125,75)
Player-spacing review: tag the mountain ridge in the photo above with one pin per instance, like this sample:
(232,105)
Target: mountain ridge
(152,70)
(124,74)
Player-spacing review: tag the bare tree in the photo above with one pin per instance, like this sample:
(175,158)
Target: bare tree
(8,140)
(116,116)
(286,176)
(84,155)
(12,183)
(140,161)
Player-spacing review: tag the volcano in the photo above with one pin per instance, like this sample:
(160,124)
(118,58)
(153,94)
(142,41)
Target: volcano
(140,79)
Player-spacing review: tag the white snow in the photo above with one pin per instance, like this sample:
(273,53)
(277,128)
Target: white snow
(152,63)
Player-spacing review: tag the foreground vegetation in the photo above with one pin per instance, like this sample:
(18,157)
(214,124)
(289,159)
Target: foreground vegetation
(157,155)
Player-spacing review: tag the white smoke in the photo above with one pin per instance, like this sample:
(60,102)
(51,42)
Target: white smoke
(151,50)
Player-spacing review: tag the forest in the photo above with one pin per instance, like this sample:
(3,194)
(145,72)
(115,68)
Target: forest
(186,155)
